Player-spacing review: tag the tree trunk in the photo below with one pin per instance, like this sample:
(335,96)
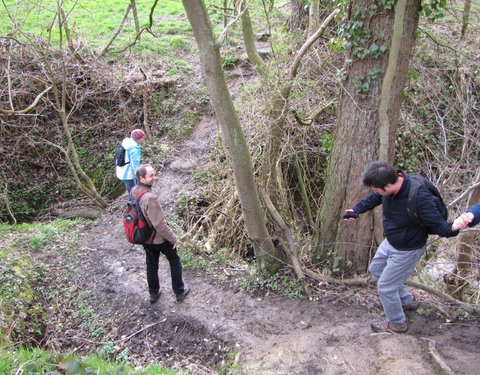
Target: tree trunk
(313,17)
(84,182)
(233,136)
(135,19)
(298,19)
(373,79)
(466,16)
(249,41)
(297,22)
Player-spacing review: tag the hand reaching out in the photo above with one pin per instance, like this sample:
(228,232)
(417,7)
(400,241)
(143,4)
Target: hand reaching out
(350,215)
(462,221)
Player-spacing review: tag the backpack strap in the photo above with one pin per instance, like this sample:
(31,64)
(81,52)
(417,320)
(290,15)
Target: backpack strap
(140,194)
(412,200)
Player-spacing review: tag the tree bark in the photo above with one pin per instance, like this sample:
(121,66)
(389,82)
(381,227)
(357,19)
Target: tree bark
(249,41)
(347,247)
(233,136)
(466,16)
(298,19)
(135,19)
(313,17)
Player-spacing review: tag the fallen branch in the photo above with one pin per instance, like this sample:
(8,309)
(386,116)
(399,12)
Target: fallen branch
(360,281)
(292,249)
(31,106)
(465,306)
(370,280)
(444,368)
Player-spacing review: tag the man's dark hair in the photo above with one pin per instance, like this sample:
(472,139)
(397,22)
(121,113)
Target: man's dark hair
(379,174)
(142,171)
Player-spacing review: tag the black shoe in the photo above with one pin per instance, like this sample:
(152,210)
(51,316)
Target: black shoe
(181,296)
(154,297)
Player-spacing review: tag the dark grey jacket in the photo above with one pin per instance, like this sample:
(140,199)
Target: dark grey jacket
(400,230)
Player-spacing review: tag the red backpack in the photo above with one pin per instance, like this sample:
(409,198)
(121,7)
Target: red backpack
(134,223)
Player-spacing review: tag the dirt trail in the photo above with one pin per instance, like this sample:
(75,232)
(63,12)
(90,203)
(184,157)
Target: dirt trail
(271,334)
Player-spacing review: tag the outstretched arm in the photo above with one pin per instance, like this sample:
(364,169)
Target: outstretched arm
(367,204)
(350,215)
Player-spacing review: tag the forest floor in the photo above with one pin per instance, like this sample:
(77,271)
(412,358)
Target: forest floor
(220,325)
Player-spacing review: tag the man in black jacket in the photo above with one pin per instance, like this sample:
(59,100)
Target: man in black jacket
(405,240)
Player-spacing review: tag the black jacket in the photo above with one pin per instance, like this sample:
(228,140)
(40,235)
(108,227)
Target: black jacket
(400,230)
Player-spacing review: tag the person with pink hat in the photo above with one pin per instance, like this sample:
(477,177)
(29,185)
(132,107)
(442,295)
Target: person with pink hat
(133,153)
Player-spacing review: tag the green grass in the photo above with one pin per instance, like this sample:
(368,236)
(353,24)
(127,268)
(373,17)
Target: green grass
(33,294)
(95,21)
(24,277)
(38,361)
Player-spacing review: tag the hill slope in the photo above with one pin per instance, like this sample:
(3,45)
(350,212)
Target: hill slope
(270,334)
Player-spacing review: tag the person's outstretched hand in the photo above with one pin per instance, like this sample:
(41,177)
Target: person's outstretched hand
(350,215)
(462,221)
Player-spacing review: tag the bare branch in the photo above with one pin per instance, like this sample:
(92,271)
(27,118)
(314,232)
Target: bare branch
(30,107)
(119,28)
(464,194)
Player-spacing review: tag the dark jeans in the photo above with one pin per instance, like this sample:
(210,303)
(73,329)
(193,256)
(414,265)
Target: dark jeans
(129,184)
(152,256)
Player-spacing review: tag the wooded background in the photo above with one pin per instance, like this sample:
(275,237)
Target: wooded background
(338,84)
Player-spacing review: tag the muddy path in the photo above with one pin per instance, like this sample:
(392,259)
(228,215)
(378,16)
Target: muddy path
(219,324)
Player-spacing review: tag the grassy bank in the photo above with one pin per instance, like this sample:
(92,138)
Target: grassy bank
(38,303)
(95,21)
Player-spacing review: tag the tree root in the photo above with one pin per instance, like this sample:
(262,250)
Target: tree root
(444,368)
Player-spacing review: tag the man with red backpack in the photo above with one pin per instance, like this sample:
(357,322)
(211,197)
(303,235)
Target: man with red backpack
(162,239)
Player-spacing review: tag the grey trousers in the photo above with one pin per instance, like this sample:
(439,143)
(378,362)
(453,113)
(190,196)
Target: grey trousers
(392,268)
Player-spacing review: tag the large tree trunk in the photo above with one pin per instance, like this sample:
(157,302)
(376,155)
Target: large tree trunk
(297,22)
(372,81)
(233,136)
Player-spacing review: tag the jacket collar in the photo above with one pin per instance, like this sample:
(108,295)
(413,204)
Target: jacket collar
(147,187)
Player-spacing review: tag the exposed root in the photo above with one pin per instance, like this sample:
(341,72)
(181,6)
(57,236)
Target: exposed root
(436,357)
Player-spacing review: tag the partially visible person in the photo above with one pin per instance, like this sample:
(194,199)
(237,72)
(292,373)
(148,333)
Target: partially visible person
(405,240)
(163,240)
(472,216)
(133,154)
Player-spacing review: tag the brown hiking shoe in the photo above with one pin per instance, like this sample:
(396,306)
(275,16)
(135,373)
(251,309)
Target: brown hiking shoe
(389,327)
(412,306)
